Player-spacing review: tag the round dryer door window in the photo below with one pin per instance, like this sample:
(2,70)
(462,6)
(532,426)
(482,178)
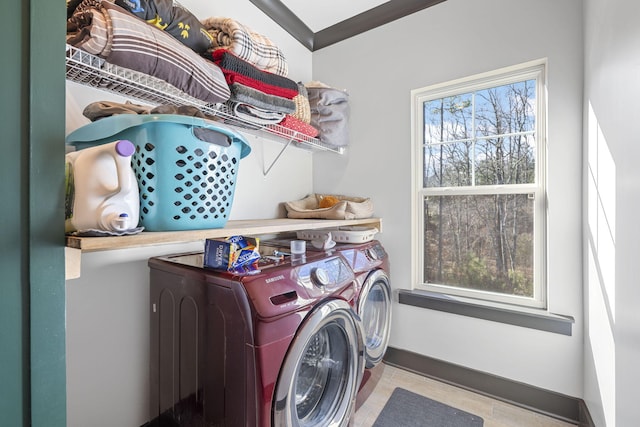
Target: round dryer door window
(322,371)
(374,308)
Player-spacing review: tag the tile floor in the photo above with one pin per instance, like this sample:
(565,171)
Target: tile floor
(494,412)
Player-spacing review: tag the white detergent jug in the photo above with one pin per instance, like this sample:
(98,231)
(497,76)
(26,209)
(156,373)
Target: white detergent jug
(102,191)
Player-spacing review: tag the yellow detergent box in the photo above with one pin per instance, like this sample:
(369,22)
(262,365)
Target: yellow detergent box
(232,253)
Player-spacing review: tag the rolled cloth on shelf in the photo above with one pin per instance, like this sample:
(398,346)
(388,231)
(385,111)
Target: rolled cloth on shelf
(303,109)
(252,47)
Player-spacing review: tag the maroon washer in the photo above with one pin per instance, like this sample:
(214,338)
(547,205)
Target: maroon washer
(279,347)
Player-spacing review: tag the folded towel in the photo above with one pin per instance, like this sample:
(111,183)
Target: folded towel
(254,115)
(247,45)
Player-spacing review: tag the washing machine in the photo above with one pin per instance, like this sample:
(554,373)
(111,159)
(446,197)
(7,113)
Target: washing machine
(281,346)
(370,263)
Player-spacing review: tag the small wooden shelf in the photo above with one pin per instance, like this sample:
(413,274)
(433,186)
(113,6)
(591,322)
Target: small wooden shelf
(238,227)
(77,245)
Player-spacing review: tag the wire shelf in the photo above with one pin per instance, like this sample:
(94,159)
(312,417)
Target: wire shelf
(90,70)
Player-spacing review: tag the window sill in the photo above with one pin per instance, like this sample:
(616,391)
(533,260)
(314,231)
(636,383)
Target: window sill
(524,317)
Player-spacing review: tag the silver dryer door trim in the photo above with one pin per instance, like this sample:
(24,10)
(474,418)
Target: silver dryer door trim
(376,320)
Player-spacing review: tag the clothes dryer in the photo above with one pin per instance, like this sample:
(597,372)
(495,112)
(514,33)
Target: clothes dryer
(279,347)
(370,264)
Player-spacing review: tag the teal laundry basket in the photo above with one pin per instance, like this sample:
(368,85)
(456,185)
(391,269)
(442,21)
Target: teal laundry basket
(186,167)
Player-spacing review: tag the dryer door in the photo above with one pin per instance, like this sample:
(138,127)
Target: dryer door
(374,308)
(321,373)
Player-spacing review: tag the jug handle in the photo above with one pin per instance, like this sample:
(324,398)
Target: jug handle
(124,148)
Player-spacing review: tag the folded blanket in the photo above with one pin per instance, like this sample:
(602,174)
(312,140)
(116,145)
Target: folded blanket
(247,45)
(248,95)
(125,40)
(230,62)
(172,18)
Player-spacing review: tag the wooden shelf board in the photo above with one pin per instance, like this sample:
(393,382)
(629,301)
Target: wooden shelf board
(237,227)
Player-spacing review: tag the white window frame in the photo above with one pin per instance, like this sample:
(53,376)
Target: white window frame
(535,70)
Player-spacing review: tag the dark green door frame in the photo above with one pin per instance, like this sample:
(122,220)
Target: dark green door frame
(32,286)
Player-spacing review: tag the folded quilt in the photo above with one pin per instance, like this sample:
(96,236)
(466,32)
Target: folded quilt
(248,95)
(122,39)
(172,18)
(252,47)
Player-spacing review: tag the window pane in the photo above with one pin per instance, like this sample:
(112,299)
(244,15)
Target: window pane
(506,109)
(505,160)
(448,165)
(480,242)
(448,119)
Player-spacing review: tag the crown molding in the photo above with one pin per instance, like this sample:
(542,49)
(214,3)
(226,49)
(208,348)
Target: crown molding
(358,24)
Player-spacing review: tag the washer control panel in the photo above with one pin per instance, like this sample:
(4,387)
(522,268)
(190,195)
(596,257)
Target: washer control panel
(326,274)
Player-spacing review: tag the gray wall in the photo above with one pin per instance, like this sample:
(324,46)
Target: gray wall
(456,39)
(611,233)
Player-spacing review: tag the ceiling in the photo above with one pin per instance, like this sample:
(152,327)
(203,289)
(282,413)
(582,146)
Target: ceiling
(318,24)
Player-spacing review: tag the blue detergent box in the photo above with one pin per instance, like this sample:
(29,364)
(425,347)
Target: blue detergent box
(232,254)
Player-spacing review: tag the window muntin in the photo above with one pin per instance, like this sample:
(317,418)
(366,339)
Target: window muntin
(480,187)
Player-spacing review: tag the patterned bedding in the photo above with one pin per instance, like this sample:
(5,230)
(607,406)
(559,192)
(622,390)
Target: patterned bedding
(252,47)
(106,30)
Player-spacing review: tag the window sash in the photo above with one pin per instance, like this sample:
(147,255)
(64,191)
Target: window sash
(530,71)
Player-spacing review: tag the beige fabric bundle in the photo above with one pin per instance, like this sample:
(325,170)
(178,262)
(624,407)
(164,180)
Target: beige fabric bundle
(346,208)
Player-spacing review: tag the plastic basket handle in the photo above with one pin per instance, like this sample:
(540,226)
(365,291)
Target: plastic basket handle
(110,126)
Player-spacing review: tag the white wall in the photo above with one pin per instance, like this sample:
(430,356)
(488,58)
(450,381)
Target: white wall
(107,307)
(455,39)
(612,183)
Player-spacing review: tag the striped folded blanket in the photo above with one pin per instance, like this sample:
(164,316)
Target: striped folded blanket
(122,39)
(252,47)
(230,62)
(236,70)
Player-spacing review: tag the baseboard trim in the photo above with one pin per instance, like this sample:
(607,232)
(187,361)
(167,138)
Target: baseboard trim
(557,405)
